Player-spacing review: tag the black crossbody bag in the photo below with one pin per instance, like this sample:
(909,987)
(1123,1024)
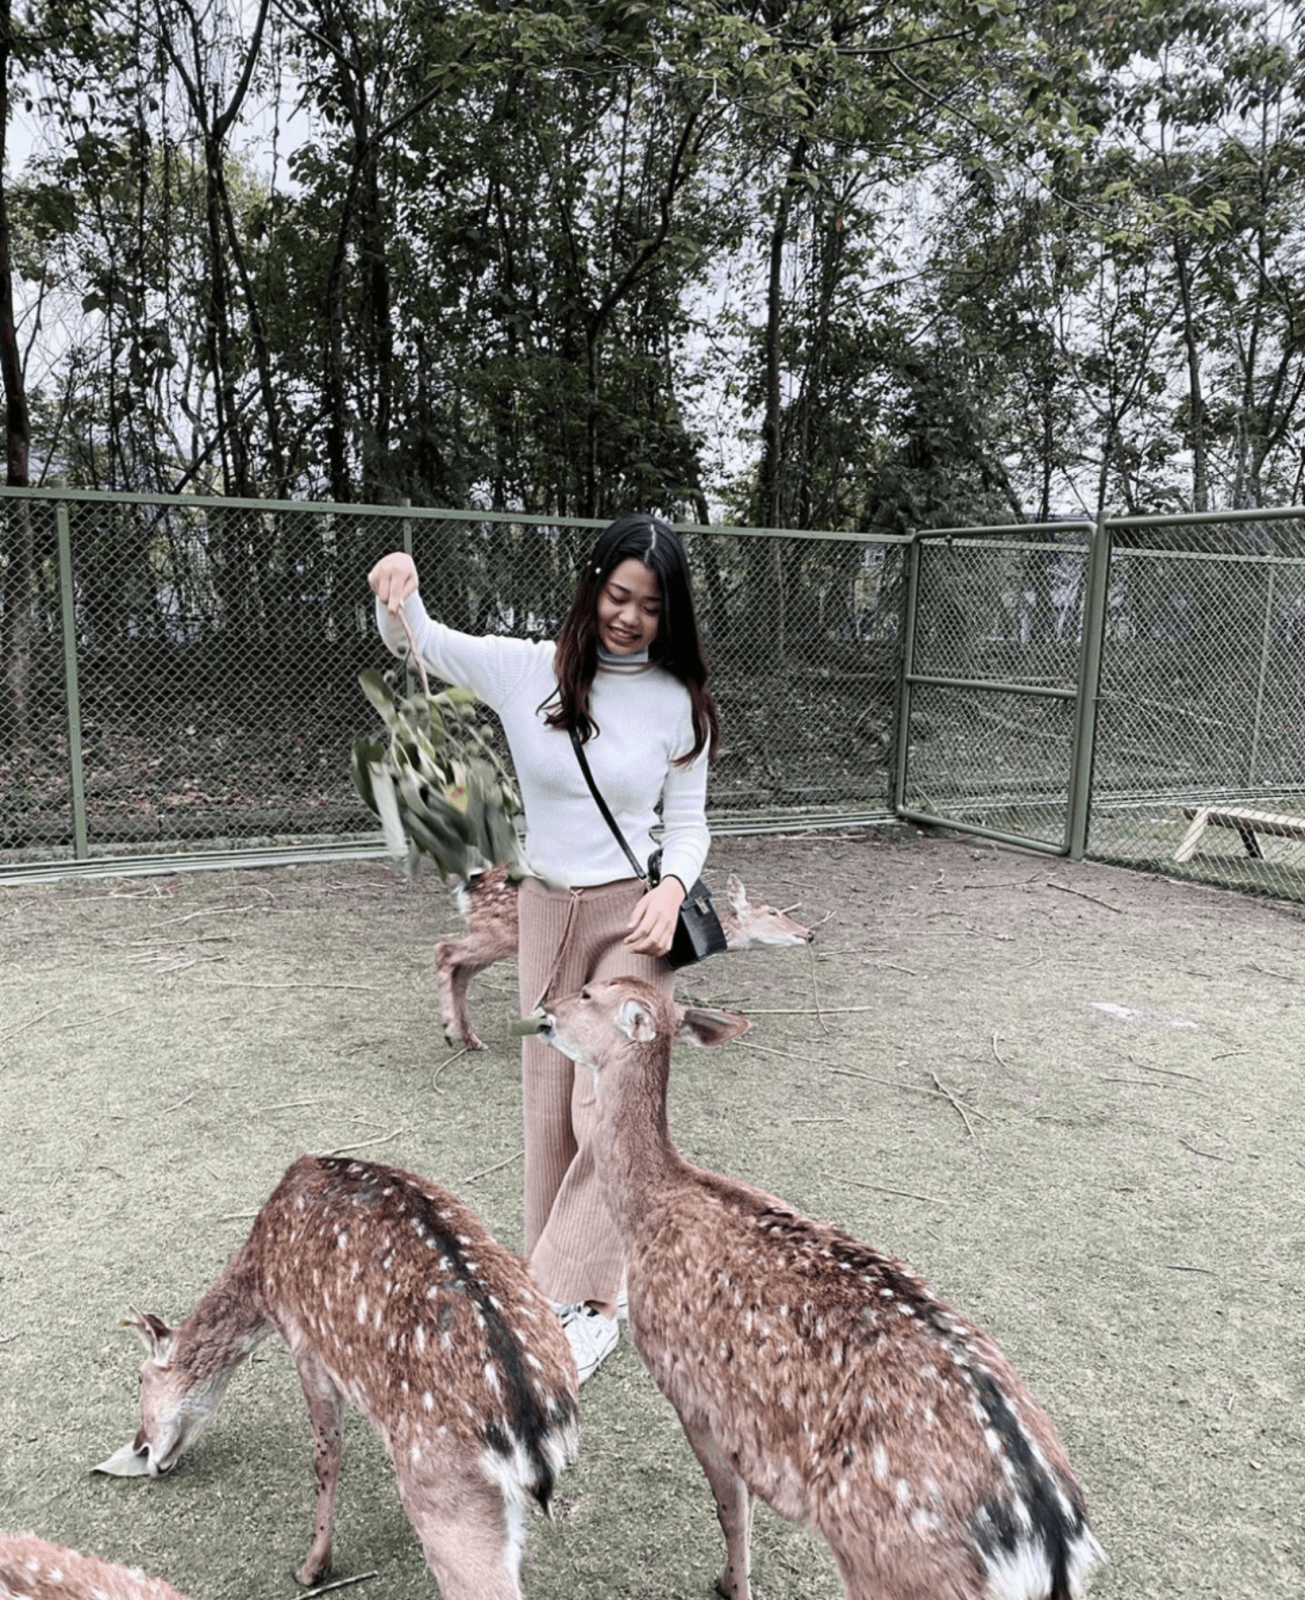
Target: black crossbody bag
(698,932)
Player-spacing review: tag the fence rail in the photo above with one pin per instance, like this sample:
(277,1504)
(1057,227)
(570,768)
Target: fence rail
(181,676)
(182,673)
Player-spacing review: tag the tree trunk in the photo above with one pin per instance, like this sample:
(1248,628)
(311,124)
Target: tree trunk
(21,542)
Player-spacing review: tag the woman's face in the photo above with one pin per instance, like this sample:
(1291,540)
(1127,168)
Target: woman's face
(629,608)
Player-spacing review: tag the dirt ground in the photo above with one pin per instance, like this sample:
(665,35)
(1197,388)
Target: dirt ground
(1068,1094)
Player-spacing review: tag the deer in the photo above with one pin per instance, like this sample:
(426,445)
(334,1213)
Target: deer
(391,1292)
(488,901)
(35,1569)
(809,1369)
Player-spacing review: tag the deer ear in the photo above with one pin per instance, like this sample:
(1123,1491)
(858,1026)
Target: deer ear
(699,1026)
(154,1334)
(636,1022)
(738,896)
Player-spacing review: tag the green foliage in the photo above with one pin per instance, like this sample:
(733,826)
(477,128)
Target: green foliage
(438,786)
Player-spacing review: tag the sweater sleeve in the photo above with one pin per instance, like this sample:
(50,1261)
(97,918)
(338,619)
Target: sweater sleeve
(487,665)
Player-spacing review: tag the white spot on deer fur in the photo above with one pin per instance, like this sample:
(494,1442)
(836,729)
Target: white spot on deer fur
(491,1377)
(362,1308)
(902,1491)
(428,1400)
(880,1462)
(419,1338)
(342,1240)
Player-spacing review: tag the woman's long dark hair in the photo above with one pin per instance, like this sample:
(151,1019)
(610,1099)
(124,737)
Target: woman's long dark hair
(677,646)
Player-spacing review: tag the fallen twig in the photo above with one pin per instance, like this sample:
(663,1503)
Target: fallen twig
(185,1100)
(1000,1058)
(289,1105)
(448,1062)
(911,1088)
(767,1050)
(337,1583)
(1149,1083)
(212,911)
(1004,883)
(948,1095)
(1067,888)
(497,1167)
(100,1016)
(363,1144)
(31,1022)
(1172,1072)
(880,1188)
(805,1011)
(1208,1154)
(242,983)
(815,993)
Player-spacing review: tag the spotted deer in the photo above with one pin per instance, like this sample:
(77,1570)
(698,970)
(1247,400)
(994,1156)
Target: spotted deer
(35,1569)
(392,1293)
(489,904)
(811,1370)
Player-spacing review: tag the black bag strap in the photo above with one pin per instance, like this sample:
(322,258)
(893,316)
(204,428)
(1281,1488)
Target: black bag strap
(608,818)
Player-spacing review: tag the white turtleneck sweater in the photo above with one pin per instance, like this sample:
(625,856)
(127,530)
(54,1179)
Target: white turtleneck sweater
(644,722)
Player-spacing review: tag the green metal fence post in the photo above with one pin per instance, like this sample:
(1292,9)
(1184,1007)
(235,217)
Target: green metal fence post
(906,665)
(68,610)
(1261,676)
(1096,598)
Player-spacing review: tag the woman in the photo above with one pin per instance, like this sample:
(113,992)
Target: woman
(628,674)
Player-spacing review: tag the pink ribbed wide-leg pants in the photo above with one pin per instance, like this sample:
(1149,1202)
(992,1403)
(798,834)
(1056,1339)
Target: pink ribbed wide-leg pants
(571,936)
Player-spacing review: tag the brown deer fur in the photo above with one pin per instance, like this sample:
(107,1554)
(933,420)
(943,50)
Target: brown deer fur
(392,1293)
(489,903)
(812,1370)
(35,1569)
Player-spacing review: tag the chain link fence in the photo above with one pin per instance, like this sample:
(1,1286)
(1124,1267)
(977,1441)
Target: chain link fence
(1135,690)
(1202,701)
(181,675)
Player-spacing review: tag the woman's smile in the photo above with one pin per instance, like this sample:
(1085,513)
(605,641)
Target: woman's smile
(629,608)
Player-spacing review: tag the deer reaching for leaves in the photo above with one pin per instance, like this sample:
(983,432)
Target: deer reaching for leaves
(391,1292)
(489,903)
(811,1370)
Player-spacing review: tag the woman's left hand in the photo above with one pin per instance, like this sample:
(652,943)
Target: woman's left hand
(652,927)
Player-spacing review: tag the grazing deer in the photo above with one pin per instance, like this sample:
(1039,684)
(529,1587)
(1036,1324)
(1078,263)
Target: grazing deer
(391,1292)
(489,903)
(811,1370)
(35,1569)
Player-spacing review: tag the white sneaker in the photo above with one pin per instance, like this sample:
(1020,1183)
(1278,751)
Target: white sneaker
(592,1336)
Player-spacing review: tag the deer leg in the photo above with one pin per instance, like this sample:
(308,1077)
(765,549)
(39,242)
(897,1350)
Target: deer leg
(455,972)
(458,961)
(472,1538)
(733,1510)
(326,1412)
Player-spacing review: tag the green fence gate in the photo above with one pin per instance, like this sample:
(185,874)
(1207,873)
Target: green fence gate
(997,682)
(1132,690)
